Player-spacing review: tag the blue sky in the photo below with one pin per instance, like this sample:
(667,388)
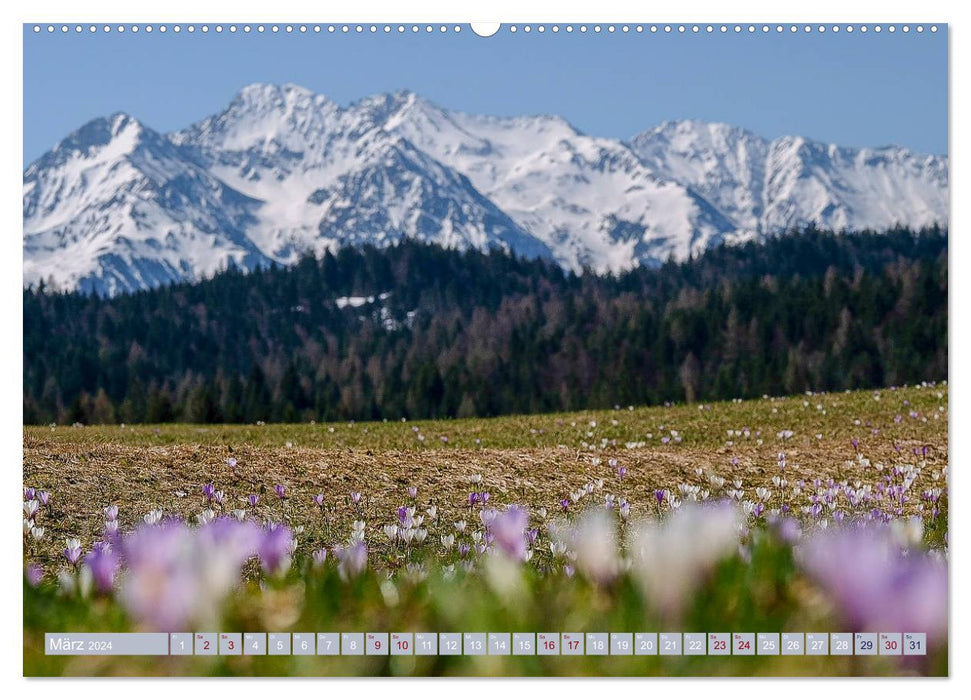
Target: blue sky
(852,89)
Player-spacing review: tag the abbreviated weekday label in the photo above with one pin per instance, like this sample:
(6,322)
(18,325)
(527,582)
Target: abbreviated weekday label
(106,644)
(499,644)
(793,644)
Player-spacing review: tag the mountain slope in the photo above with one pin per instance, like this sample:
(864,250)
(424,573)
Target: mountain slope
(115,207)
(768,186)
(282,171)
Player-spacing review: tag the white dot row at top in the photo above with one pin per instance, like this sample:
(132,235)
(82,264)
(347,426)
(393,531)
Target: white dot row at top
(513,29)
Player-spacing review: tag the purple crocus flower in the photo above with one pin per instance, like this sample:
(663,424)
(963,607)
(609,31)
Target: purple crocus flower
(508,528)
(274,548)
(29,493)
(464,550)
(565,504)
(44,497)
(103,563)
(622,472)
(319,500)
(35,574)
(355,497)
(353,560)
(484,497)
(473,498)
(855,443)
(111,513)
(253,499)
(177,575)
(875,586)
(320,556)
(659,495)
(231,462)
(280,491)
(73,552)
(207,491)
(412,492)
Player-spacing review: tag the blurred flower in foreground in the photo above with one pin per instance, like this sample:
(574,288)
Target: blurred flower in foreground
(509,530)
(671,558)
(103,564)
(35,574)
(177,575)
(352,560)
(595,545)
(876,586)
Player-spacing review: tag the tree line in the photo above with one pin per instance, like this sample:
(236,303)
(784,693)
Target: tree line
(418,331)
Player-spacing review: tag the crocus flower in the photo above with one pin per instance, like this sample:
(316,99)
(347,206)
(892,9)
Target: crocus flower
(565,504)
(207,491)
(29,493)
(320,556)
(671,559)
(412,492)
(595,544)
(44,497)
(280,491)
(273,548)
(509,528)
(177,576)
(30,507)
(353,561)
(34,574)
(102,563)
(231,462)
(253,499)
(72,552)
(355,497)
(875,586)
(319,500)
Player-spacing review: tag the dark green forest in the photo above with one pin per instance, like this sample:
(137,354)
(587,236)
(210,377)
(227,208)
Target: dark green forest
(472,334)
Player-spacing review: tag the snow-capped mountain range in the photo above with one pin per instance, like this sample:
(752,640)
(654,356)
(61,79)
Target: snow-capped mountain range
(118,207)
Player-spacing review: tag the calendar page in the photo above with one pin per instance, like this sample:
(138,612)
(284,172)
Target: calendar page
(544,349)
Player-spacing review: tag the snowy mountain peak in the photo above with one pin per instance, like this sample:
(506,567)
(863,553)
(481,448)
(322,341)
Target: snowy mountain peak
(117,206)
